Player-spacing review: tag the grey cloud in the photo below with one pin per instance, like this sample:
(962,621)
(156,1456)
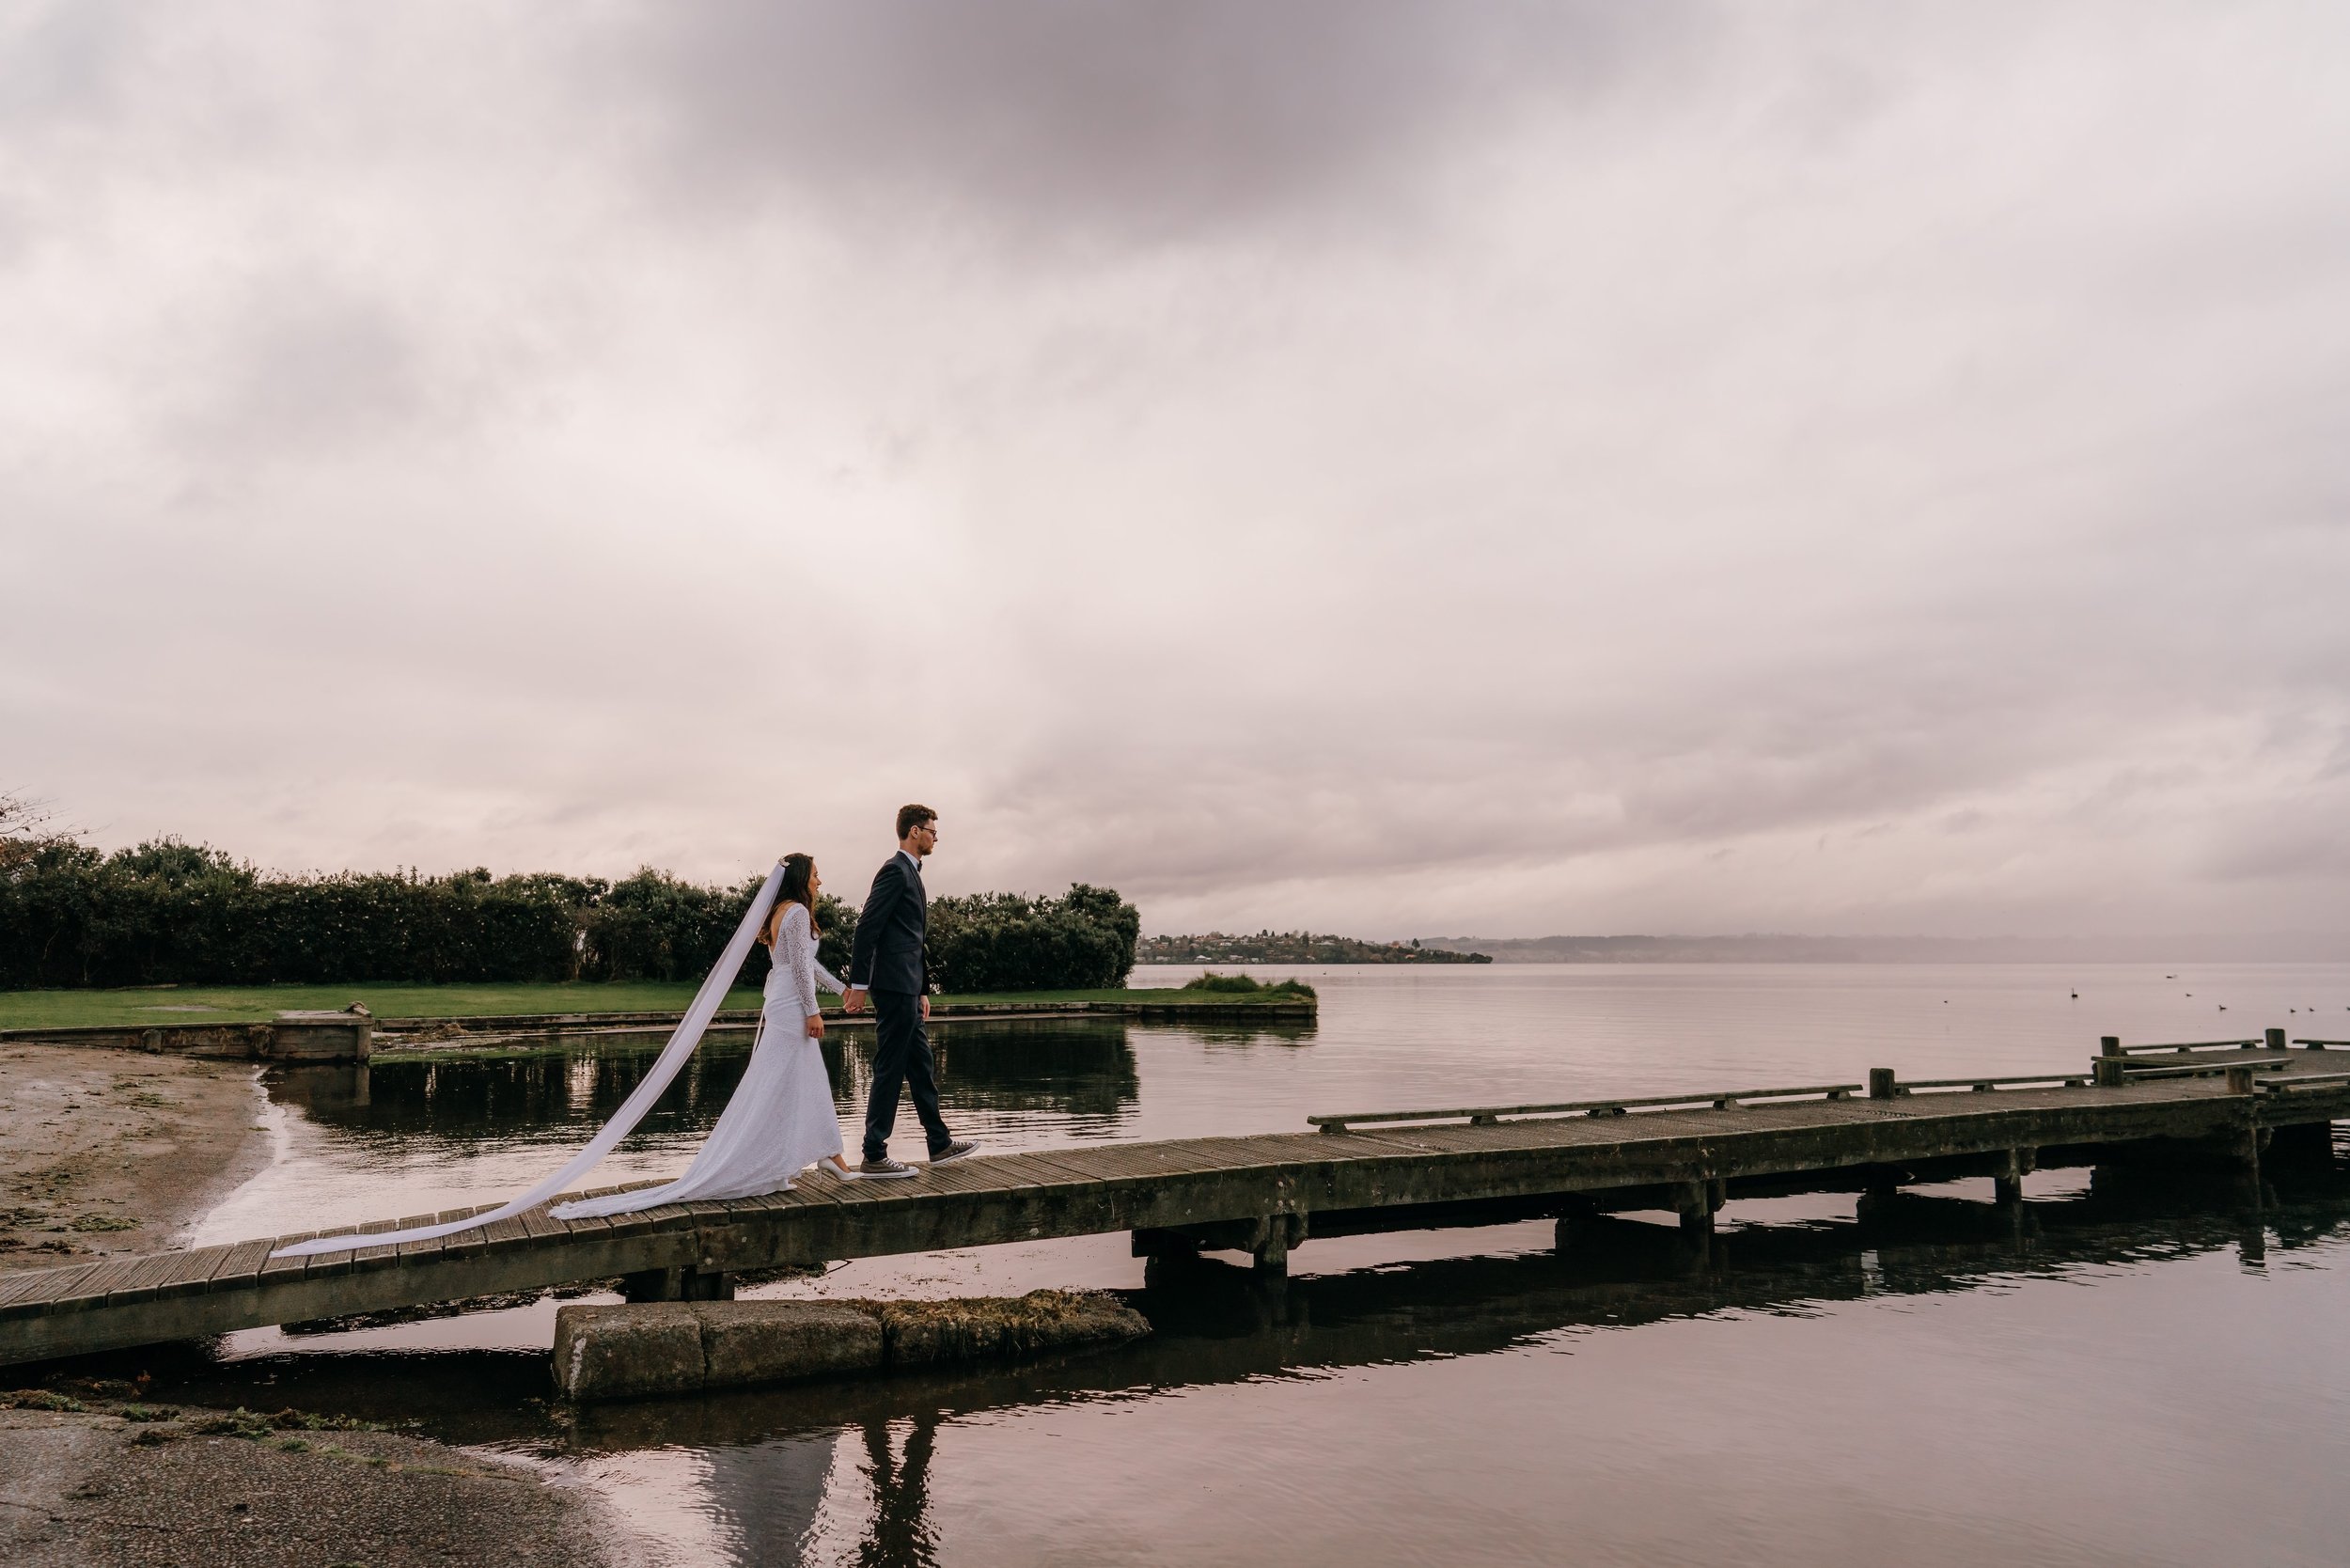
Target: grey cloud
(2310,845)
(295,363)
(64,62)
(1106,118)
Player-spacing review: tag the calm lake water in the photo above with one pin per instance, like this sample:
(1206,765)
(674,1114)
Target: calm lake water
(2134,1371)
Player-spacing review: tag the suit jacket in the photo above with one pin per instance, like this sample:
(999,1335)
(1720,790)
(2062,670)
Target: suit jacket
(887,953)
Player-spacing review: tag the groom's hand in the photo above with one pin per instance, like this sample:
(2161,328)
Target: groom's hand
(926,1009)
(852,999)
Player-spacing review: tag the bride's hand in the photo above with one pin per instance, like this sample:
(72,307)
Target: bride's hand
(815,1025)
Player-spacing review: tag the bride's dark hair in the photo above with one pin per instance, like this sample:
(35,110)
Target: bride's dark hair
(797,869)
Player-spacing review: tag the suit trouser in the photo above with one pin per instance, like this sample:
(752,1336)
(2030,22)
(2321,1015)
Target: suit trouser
(902,1057)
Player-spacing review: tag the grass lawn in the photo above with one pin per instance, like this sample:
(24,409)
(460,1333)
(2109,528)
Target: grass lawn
(200,1004)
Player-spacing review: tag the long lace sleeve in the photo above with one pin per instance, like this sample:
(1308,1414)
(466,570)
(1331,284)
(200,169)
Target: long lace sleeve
(800,953)
(824,977)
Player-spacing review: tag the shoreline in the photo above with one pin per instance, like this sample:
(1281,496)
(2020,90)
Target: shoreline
(110,1151)
(128,1016)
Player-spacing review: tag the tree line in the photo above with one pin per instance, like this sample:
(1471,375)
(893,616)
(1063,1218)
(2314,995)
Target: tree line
(1294,947)
(168,913)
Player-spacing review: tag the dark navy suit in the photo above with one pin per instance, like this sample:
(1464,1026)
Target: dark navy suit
(887,960)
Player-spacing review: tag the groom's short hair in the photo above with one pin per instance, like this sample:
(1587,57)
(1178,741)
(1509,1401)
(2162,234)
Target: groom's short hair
(912,817)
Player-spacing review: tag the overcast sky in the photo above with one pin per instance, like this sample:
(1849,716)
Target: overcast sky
(1397,468)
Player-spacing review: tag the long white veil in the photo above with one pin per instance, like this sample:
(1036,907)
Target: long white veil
(632,1111)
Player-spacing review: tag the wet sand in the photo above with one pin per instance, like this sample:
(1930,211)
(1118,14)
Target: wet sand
(110,1151)
(81,1488)
(106,1151)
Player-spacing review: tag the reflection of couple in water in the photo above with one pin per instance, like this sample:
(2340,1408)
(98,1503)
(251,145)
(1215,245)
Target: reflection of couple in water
(780,1119)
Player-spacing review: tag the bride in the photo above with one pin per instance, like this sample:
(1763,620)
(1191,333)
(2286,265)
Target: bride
(781,1118)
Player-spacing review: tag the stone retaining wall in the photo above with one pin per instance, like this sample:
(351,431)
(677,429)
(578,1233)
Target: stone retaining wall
(293,1036)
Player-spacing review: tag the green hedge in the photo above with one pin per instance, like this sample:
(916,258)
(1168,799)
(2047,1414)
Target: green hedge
(174,913)
(167,913)
(983,942)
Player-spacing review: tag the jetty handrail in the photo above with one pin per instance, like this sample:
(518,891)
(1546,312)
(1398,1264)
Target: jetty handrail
(2197,1046)
(1486,1116)
(1984,1085)
(2199,1070)
(2300,1082)
(2322,1044)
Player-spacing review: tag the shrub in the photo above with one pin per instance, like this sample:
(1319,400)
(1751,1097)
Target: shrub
(1012,942)
(1247,985)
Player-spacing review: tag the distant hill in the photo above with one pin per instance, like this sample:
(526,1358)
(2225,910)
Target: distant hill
(1295,947)
(2251,949)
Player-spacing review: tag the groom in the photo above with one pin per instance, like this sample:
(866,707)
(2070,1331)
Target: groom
(887,960)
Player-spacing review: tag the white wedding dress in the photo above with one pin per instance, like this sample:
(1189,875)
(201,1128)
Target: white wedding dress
(683,1040)
(781,1118)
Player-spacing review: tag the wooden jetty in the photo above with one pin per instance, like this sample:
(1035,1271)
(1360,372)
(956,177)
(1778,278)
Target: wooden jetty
(2225,1104)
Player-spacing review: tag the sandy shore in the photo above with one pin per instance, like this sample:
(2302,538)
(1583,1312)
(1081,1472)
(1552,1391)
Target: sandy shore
(106,1151)
(98,1488)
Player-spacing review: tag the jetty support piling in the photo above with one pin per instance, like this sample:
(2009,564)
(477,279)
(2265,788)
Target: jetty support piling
(1271,1255)
(680,1282)
(2006,1177)
(1697,1202)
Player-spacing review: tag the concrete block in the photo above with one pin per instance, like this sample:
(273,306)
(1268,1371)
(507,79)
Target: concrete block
(622,1352)
(774,1341)
(314,1036)
(927,1333)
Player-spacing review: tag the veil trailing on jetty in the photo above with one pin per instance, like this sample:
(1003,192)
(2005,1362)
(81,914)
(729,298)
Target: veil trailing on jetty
(687,1036)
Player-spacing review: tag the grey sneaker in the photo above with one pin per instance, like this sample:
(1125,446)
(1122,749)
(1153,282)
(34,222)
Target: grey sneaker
(885,1169)
(954,1152)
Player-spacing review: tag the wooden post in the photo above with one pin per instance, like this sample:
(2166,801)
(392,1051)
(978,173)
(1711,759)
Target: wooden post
(2107,1071)
(1272,1255)
(1881,1083)
(1275,1235)
(1694,1199)
(2239,1080)
(2007,1182)
(2108,1044)
(2276,1038)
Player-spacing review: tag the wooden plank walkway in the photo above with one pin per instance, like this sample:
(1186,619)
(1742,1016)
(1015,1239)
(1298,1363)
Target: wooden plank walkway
(1262,1193)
